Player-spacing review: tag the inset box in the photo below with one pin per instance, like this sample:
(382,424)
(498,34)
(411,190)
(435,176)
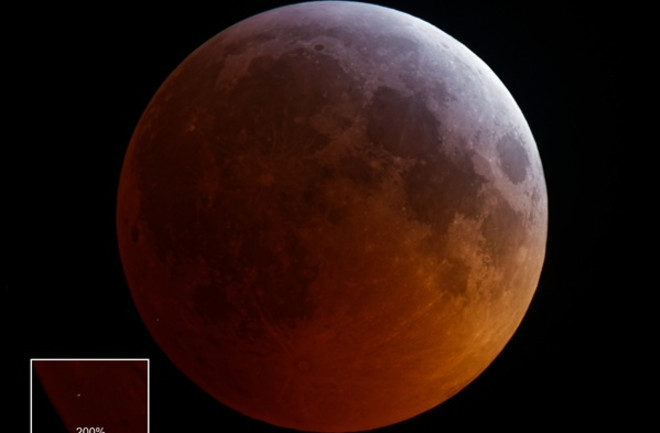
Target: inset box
(93,395)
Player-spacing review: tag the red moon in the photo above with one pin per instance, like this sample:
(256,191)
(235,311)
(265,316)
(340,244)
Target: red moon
(332,216)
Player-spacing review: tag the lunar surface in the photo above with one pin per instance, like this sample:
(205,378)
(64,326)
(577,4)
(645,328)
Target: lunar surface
(332,216)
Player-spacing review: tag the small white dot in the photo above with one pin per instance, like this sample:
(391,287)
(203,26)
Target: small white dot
(78,395)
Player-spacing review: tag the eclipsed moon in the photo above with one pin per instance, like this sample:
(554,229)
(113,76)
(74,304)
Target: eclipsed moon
(332,216)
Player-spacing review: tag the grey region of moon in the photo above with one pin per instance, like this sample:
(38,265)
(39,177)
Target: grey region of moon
(332,216)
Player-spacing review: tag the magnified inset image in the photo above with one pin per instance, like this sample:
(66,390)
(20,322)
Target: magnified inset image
(94,395)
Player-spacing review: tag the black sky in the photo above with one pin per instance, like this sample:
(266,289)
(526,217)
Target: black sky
(80,80)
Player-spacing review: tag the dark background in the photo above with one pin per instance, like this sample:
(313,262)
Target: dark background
(79,80)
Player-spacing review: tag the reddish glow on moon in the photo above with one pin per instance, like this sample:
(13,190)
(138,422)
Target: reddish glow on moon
(332,216)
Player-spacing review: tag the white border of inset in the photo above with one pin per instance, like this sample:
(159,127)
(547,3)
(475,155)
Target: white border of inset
(96,359)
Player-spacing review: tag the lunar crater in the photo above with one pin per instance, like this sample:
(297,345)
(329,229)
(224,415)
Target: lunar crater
(513,158)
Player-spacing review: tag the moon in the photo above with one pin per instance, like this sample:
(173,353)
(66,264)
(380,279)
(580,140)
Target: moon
(332,216)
